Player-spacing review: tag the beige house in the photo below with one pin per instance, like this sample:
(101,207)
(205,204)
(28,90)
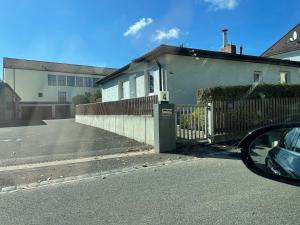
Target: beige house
(47,88)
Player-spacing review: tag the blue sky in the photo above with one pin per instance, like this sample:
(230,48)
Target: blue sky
(111,33)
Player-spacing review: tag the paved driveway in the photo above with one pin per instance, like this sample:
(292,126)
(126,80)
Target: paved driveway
(59,139)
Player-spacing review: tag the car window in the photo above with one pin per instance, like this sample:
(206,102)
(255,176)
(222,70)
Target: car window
(291,140)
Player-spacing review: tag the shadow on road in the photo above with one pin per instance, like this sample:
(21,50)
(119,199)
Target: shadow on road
(21,123)
(206,150)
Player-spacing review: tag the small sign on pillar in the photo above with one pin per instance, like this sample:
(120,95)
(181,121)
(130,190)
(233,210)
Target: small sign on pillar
(163,96)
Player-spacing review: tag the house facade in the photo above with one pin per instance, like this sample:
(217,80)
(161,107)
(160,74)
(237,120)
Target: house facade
(287,47)
(8,102)
(183,71)
(47,88)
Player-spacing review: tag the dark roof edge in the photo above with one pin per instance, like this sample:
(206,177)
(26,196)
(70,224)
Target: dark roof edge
(173,50)
(113,75)
(67,64)
(26,64)
(264,53)
(61,71)
(281,52)
(137,60)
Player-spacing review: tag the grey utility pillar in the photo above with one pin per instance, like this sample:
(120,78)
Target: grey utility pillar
(164,127)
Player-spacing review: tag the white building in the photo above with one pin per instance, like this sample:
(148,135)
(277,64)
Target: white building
(183,71)
(287,47)
(47,88)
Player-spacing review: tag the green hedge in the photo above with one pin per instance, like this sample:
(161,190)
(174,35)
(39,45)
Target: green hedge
(248,92)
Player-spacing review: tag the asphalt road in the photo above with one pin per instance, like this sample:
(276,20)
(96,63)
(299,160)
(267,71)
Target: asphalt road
(59,139)
(205,191)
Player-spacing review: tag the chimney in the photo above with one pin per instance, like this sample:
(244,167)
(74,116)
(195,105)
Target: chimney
(227,48)
(241,50)
(225,38)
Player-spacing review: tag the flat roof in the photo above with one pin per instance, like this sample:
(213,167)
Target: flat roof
(13,63)
(182,51)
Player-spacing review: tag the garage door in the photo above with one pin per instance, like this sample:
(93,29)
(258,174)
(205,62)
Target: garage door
(36,112)
(62,111)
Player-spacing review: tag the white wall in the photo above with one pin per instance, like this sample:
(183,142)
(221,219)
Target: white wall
(110,89)
(29,83)
(141,85)
(294,55)
(186,75)
(139,128)
(126,91)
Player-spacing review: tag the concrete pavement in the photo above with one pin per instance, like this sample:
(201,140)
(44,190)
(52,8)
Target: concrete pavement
(203,191)
(57,140)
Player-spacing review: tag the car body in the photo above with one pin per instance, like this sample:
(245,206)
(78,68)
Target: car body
(284,159)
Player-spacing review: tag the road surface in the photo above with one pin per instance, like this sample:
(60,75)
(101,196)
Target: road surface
(201,191)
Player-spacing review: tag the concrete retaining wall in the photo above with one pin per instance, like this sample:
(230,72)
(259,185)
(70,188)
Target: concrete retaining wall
(139,128)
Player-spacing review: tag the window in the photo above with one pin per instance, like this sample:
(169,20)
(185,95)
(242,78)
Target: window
(62,97)
(61,80)
(291,140)
(40,94)
(257,77)
(51,80)
(79,81)
(121,90)
(70,81)
(283,77)
(88,82)
(151,82)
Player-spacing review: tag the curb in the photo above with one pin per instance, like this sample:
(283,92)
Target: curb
(103,175)
(73,161)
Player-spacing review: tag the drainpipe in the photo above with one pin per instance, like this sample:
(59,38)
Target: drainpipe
(160,76)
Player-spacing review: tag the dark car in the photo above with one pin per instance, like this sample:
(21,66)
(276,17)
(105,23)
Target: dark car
(284,159)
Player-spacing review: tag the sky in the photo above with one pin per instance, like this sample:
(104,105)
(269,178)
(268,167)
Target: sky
(111,33)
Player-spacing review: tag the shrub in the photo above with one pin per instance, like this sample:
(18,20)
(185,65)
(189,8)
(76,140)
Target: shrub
(95,95)
(80,99)
(248,92)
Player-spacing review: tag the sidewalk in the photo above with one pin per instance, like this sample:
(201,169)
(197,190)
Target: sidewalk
(38,173)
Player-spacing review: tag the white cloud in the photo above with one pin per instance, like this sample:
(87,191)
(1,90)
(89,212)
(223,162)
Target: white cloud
(135,28)
(161,35)
(222,4)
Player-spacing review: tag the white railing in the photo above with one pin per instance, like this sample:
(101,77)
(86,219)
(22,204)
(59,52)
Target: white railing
(191,122)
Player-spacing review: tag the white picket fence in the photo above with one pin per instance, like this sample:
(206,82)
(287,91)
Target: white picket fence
(191,122)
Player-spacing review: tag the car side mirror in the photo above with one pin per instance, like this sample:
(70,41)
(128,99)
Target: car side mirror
(274,152)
